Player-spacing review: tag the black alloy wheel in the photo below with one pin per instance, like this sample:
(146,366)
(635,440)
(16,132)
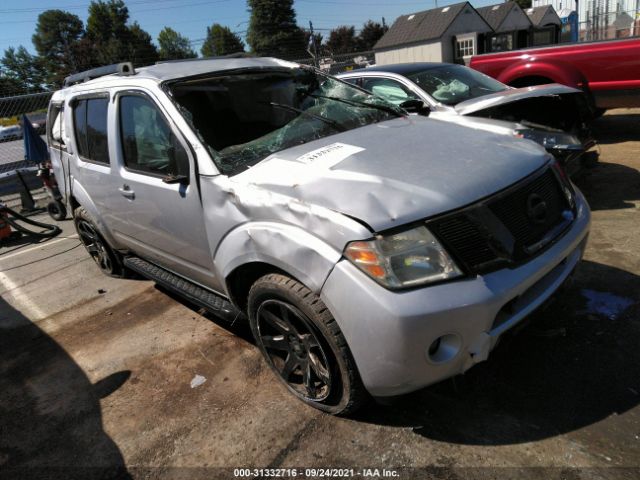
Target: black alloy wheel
(94,245)
(294,350)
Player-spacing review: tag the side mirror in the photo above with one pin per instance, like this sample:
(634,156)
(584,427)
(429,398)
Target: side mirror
(415,106)
(178,164)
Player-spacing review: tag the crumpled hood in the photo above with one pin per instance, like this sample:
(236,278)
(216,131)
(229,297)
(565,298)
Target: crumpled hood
(510,96)
(398,171)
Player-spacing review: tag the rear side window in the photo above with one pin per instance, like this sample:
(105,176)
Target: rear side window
(90,122)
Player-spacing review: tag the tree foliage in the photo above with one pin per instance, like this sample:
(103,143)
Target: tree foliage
(342,39)
(20,68)
(113,40)
(370,34)
(221,41)
(524,4)
(273,30)
(174,46)
(56,40)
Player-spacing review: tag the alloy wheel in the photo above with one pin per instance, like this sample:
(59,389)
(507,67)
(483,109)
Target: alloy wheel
(94,245)
(293,349)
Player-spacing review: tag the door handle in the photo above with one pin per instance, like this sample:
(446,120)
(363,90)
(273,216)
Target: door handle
(126,191)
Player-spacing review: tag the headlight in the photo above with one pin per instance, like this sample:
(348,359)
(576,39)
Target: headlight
(405,259)
(551,140)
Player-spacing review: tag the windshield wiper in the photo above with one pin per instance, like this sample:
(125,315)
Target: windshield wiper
(289,108)
(356,103)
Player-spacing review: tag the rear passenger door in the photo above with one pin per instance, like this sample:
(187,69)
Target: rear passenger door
(157,197)
(93,171)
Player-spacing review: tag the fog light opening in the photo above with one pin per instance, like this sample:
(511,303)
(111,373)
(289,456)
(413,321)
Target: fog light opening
(444,348)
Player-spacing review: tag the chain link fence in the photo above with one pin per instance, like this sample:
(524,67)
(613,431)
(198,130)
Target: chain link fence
(12,155)
(343,62)
(603,25)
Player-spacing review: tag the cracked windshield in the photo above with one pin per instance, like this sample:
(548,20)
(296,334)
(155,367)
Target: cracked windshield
(242,119)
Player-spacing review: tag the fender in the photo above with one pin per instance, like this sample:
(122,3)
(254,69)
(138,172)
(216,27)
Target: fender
(84,199)
(553,69)
(287,247)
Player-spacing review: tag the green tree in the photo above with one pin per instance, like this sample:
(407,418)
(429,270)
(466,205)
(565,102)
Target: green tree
(56,39)
(370,34)
(9,86)
(273,30)
(221,41)
(113,40)
(342,40)
(21,68)
(174,46)
(141,50)
(524,4)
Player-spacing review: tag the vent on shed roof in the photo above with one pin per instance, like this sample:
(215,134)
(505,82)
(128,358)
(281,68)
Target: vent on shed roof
(410,17)
(495,7)
(445,9)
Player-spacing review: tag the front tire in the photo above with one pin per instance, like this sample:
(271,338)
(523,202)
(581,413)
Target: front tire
(303,345)
(105,257)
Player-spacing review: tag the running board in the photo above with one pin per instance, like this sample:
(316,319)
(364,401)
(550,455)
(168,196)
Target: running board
(193,293)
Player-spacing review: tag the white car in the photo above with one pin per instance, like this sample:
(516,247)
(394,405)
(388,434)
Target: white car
(555,116)
(13,132)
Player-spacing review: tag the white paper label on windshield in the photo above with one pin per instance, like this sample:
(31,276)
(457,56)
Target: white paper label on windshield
(327,157)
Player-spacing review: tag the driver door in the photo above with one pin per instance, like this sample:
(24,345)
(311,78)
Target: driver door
(157,193)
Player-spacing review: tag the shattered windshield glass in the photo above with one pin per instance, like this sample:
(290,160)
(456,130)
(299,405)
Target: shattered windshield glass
(244,117)
(452,84)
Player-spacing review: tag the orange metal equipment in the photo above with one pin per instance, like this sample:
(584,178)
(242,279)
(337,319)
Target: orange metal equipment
(5,228)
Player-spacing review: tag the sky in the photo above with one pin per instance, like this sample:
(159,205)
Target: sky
(191,17)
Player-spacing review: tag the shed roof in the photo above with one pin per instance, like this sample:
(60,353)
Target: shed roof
(494,15)
(421,26)
(537,14)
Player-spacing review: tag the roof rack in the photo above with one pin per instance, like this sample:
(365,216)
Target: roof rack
(221,57)
(124,69)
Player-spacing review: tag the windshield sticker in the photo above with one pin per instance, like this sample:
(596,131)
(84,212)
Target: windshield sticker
(330,155)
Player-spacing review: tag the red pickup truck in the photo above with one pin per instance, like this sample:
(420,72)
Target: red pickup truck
(608,70)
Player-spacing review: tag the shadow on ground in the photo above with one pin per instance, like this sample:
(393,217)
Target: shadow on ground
(617,128)
(610,186)
(50,415)
(567,369)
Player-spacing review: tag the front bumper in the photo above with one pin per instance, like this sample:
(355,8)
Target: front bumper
(389,333)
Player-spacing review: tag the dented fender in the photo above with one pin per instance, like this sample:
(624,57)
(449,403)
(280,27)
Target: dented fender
(286,247)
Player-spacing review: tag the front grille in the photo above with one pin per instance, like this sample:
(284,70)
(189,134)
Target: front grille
(498,231)
(512,209)
(463,238)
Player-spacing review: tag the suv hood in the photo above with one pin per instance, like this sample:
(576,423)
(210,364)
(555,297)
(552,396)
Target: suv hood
(512,95)
(398,171)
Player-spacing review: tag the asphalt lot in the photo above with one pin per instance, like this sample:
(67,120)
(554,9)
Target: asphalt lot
(96,372)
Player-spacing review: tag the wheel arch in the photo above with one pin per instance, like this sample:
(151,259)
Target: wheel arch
(553,71)
(258,248)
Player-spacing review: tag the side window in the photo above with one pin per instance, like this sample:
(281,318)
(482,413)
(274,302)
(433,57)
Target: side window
(391,90)
(90,122)
(353,81)
(148,145)
(55,126)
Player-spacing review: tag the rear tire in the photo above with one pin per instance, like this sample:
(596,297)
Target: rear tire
(107,259)
(57,210)
(303,345)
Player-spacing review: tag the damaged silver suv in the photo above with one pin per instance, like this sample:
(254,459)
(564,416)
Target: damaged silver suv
(371,251)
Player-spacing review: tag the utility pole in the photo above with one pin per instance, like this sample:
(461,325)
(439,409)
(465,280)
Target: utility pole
(315,47)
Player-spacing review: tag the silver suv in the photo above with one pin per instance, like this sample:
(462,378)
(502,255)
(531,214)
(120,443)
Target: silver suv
(371,251)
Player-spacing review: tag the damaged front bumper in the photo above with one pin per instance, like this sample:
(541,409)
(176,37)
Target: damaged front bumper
(574,157)
(405,340)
